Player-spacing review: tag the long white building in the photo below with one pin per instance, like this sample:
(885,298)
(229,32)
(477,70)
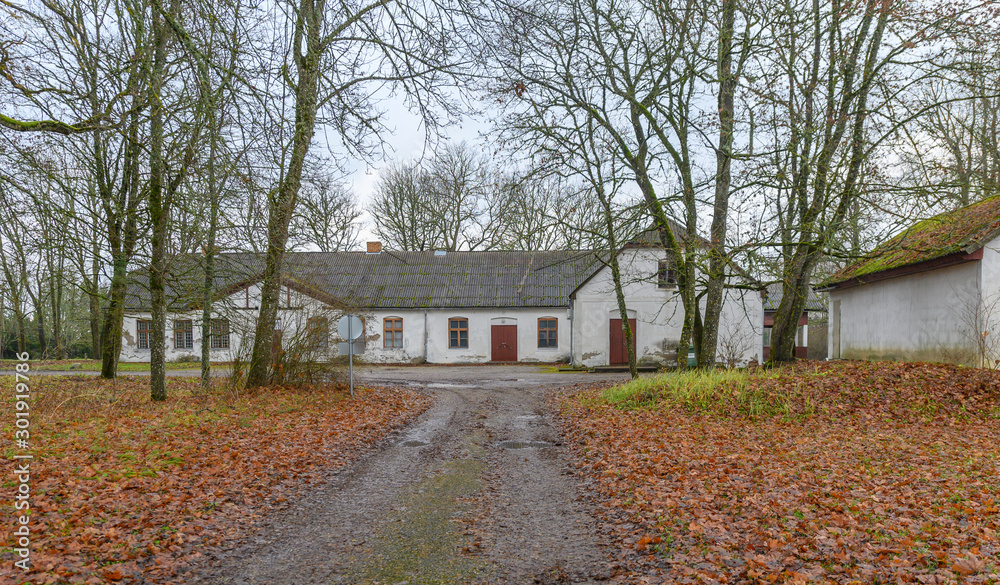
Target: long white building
(445,307)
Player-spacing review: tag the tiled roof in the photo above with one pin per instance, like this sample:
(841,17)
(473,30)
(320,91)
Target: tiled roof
(775,294)
(398,279)
(962,230)
(650,237)
(186,278)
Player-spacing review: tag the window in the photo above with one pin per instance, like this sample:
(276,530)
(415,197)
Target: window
(183,334)
(142,329)
(220,334)
(318,333)
(666,274)
(458,333)
(767,337)
(393,328)
(548,332)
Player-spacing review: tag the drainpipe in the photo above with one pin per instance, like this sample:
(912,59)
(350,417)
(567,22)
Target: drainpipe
(425,336)
(572,356)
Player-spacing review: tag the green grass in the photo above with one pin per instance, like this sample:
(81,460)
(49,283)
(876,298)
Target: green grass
(710,391)
(95,365)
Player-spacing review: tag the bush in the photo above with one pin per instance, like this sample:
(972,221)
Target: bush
(718,391)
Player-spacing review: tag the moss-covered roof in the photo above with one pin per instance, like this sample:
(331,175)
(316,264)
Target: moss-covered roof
(966,229)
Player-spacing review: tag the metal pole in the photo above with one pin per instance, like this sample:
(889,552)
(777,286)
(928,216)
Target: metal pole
(350,355)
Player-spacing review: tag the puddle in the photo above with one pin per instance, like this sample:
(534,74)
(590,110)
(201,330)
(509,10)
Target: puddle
(415,444)
(445,385)
(524,444)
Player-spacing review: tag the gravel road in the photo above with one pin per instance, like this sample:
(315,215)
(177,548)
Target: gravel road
(476,490)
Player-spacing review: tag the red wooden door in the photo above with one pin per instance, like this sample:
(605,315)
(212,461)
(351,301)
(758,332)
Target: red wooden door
(619,353)
(504,343)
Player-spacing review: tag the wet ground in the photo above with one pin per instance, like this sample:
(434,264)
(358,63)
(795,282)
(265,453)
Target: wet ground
(475,491)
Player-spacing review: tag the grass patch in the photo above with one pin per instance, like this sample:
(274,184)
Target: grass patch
(85,365)
(896,390)
(708,391)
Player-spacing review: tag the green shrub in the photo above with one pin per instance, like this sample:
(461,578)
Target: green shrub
(711,391)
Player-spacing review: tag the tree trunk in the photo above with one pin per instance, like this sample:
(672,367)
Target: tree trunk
(208,285)
(43,346)
(55,295)
(813,236)
(685,281)
(22,337)
(15,281)
(715,289)
(616,277)
(95,304)
(159,210)
(114,317)
(307,30)
(120,205)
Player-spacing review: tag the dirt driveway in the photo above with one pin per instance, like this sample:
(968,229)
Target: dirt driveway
(475,491)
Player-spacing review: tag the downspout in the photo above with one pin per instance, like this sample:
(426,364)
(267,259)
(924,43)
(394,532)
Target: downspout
(572,355)
(425,336)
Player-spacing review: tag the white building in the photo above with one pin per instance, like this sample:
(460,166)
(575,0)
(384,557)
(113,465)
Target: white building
(447,307)
(932,293)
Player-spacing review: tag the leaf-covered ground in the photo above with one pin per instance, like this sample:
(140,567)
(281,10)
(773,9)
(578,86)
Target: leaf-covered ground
(124,489)
(873,473)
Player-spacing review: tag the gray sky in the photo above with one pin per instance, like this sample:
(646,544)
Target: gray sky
(407,143)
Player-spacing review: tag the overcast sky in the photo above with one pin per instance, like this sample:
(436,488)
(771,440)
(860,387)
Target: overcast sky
(407,143)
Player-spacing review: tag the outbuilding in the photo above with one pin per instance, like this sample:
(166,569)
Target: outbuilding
(931,293)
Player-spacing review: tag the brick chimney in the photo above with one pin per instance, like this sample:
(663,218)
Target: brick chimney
(374,247)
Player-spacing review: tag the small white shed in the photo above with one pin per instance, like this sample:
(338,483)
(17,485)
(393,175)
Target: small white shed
(931,293)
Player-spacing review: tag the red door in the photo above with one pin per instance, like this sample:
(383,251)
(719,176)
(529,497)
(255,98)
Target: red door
(504,343)
(619,353)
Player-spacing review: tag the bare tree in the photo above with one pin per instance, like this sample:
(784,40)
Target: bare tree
(441,203)
(634,73)
(326,216)
(529,211)
(340,56)
(953,149)
(834,83)
(404,217)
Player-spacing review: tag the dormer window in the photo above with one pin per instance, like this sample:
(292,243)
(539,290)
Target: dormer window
(666,275)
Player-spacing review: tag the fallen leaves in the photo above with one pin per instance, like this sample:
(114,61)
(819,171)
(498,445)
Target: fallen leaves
(890,474)
(125,489)
(969,566)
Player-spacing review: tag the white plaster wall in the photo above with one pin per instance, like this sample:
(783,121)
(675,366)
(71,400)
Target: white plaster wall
(658,312)
(131,353)
(741,327)
(914,317)
(990,272)
(294,310)
(480,327)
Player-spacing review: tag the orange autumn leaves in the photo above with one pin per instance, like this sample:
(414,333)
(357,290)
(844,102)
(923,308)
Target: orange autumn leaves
(891,476)
(126,490)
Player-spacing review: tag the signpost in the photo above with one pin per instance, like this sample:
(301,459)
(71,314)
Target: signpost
(350,328)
